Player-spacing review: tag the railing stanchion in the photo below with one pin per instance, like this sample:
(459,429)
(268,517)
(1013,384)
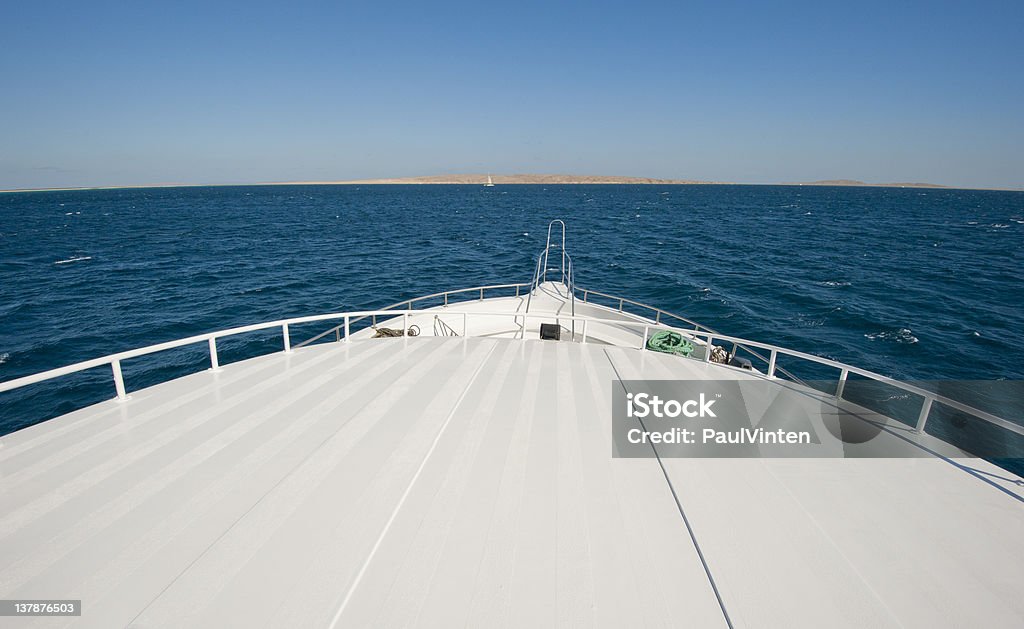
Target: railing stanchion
(643,343)
(405,324)
(771,363)
(214,363)
(115,366)
(347,337)
(842,383)
(922,419)
(446,299)
(708,346)
(524,328)
(657,319)
(517,290)
(465,324)
(620,304)
(584,341)
(287,338)
(481,294)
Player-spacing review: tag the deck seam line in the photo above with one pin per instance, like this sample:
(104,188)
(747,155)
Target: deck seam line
(679,506)
(408,489)
(228,529)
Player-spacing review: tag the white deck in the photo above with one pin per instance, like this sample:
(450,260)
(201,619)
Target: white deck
(469,482)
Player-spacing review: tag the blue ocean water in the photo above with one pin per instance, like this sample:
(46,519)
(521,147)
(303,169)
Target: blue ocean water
(911,283)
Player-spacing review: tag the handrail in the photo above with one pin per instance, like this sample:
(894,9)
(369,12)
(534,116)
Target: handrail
(410,302)
(622,300)
(540,273)
(114,360)
(658,312)
(697,327)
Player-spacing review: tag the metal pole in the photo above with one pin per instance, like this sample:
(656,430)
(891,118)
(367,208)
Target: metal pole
(287,338)
(922,419)
(585,331)
(842,383)
(643,343)
(347,339)
(465,324)
(214,363)
(771,364)
(118,380)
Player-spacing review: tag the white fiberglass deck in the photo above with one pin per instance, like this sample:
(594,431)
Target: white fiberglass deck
(469,482)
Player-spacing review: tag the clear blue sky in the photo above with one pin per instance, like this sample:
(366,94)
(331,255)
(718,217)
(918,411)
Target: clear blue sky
(96,93)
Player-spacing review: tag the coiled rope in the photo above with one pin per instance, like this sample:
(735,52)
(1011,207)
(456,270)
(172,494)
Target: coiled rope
(670,342)
(382,333)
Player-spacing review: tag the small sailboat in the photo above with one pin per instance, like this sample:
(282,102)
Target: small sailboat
(489,184)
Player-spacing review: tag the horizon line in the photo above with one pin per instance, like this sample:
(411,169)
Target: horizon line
(571,180)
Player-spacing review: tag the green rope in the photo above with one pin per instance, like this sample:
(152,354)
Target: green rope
(670,342)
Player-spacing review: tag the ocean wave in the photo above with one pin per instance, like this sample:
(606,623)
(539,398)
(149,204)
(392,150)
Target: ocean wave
(4,357)
(902,335)
(834,283)
(73,259)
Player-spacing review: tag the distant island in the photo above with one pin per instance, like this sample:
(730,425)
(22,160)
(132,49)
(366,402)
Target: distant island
(524,179)
(854,182)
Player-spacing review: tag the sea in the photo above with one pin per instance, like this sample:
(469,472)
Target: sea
(915,284)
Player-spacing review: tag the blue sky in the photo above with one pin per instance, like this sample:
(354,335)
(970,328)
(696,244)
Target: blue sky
(138,92)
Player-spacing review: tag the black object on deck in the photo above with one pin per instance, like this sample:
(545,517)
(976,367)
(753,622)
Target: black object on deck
(550,331)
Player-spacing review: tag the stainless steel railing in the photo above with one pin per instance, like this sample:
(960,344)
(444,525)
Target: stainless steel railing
(531,286)
(407,303)
(697,327)
(540,273)
(347,318)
